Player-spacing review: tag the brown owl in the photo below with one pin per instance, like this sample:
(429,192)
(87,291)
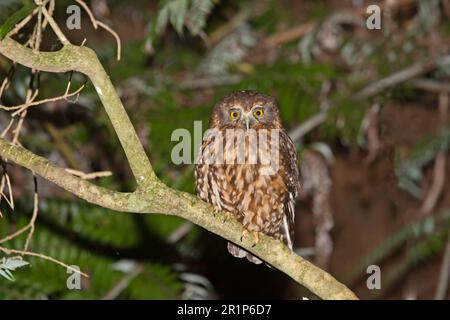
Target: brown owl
(247,167)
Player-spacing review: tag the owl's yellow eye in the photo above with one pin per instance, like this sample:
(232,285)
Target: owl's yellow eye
(234,115)
(258,113)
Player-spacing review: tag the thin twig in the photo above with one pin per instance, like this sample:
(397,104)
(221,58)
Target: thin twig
(62,146)
(253,10)
(431,85)
(123,283)
(51,10)
(180,232)
(89,176)
(15,234)
(96,23)
(401,76)
(288,35)
(437,186)
(444,276)
(299,31)
(4,85)
(55,27)
(297,133)
(439,175)
(6,130)
(6,179)
(42,256)
(115,35)
(371,128)
(22,107)
(435,191)
(27,19)
(89,12)
(34,215)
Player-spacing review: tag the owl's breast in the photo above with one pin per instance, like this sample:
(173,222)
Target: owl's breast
(257,200)
(261,200)
(245,189)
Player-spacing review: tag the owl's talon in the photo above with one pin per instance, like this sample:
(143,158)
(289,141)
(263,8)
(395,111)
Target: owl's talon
(255,237)
(244,232)
(228,215)
(215,211)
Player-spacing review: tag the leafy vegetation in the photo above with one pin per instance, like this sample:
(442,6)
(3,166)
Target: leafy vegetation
(180,57)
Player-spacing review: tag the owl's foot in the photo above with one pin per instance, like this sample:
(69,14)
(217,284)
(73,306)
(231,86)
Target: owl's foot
(216,211)
(255,238)
(228,215)
(244,232)
(255,235)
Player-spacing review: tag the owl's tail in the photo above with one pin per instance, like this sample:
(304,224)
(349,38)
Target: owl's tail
(238,252)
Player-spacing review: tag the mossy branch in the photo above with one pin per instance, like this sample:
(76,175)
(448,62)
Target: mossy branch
(151,195)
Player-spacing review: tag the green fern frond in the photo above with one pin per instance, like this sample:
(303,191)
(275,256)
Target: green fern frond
(410,170)
(427,227)
(180,14)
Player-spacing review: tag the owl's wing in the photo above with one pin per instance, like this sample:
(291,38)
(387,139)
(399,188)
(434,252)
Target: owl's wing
(202,170)
(292,180)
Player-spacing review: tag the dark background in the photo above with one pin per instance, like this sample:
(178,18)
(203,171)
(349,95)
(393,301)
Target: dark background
(379,152)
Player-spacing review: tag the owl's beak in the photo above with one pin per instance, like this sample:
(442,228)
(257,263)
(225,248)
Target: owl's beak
(247,121)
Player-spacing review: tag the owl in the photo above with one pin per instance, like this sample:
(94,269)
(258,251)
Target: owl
(247,167)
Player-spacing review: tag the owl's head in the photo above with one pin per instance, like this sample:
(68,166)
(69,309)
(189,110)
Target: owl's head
(246,110)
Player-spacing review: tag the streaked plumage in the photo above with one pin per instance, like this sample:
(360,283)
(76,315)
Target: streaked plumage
(261,202)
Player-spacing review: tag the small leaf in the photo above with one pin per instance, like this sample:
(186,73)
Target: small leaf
(178,11)
(6,274)
(198,13)
(13,264)
(15,18)
(162,20)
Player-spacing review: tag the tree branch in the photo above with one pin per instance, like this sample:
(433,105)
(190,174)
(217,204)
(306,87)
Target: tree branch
(402,76)
(84,60)
(151,196)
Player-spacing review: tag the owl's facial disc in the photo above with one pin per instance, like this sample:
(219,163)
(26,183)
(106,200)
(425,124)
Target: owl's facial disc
(248,115)
(247,119)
